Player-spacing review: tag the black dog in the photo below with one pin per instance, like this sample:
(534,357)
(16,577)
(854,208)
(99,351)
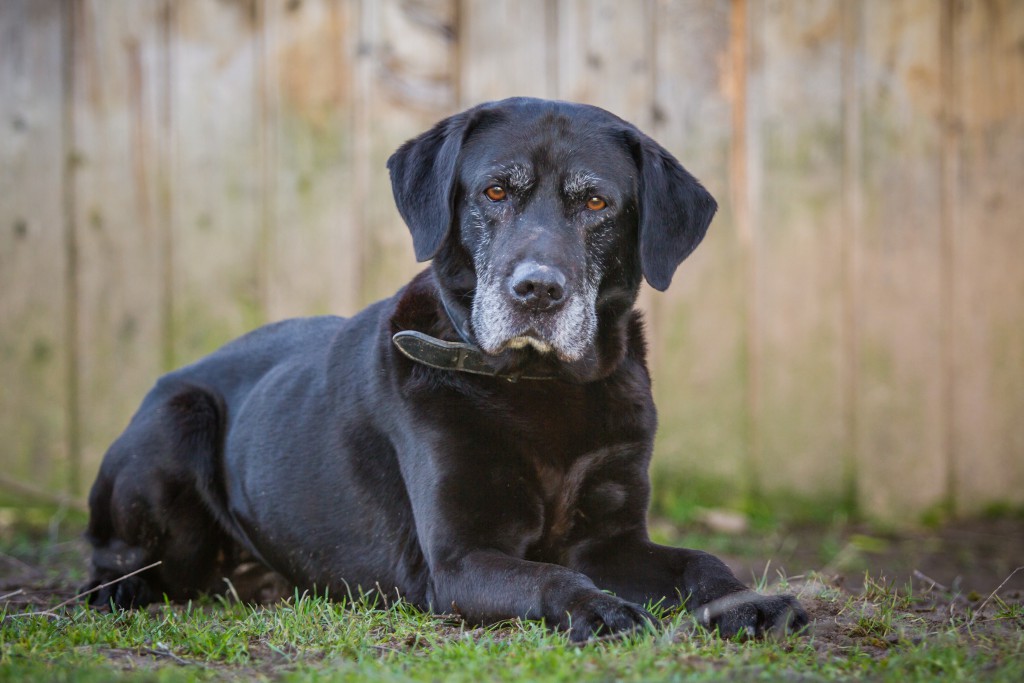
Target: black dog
(478,443)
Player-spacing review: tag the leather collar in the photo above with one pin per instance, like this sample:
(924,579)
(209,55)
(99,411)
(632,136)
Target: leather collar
(464,356)
(457,356)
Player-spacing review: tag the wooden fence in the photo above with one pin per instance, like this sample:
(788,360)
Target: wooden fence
(174,173)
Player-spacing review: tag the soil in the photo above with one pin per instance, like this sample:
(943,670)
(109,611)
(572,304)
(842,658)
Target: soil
(964,557)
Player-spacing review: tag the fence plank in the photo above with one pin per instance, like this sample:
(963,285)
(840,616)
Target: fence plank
(220,218)
(116,108)
(988,278)
(799,188)
(605,56)
(506,49)
(407,82)
(34,391)
(313,267)
(901,463)
(700,388)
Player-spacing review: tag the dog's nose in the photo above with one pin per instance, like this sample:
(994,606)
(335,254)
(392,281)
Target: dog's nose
(538,286)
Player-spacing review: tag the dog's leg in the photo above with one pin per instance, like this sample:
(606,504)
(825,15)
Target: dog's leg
(487,586)
(641,571)
(151,504)
(476,526)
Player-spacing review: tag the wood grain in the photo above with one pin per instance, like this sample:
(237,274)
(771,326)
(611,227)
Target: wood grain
(408,83)
(988,277)
(799,188)
(35,297)
(901,458)
(309,56)
(507,48)
(221,219)
(701,384)
(117,89)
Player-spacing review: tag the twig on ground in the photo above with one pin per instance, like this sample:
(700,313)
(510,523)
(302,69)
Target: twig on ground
(974,617)
(934,584)
(11,595)
(50,612)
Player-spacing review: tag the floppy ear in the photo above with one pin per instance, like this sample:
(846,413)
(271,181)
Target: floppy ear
(675,211)
(423,182)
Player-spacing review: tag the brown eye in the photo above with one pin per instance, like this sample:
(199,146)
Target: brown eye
(495,193)
(596,203)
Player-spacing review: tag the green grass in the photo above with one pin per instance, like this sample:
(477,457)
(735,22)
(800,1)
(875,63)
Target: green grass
(881,631)
(880,634)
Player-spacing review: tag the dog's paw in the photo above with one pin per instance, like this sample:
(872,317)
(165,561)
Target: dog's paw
(600,614)
(753,615)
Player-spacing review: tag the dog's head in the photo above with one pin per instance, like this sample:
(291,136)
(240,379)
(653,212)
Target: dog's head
(541,218)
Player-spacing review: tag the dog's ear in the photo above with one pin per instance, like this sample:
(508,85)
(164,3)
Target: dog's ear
(423,182)
(675,210)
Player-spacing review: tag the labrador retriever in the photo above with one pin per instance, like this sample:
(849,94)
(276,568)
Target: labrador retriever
(479,442)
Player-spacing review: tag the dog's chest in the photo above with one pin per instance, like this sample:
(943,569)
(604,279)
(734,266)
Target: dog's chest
(580,495)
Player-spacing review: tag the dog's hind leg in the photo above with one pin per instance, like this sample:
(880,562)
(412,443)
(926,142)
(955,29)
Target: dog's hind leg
(156,499)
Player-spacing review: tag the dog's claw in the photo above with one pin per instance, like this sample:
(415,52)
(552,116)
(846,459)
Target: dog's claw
(753,614)
(604,615)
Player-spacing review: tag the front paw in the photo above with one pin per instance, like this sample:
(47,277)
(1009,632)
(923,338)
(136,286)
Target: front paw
(753,614)
(600,614)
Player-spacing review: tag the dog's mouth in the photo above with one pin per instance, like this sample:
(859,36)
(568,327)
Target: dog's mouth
(524,341)
(532,343)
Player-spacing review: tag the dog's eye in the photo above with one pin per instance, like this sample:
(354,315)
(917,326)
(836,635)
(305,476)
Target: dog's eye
(596,203)
(495,193)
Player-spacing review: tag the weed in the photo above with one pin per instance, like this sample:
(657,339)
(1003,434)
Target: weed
(1013,612)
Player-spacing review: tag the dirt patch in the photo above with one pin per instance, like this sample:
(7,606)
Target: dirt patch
(961,558)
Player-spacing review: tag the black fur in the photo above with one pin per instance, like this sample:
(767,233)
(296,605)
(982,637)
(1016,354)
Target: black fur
(315,447)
